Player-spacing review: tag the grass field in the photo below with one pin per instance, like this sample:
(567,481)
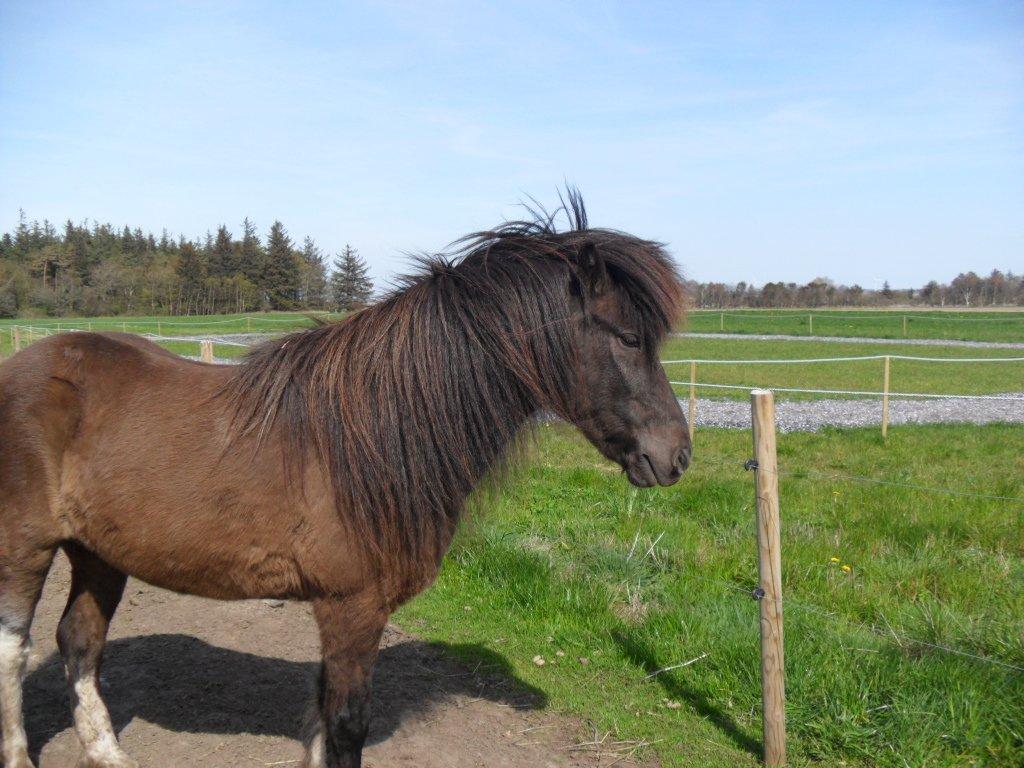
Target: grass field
(907,376)
(966,326)
(865,375)
(1007,326)
(609,584)
(269,322)
(264,322)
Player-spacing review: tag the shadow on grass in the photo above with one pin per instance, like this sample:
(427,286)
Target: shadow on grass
(186,685)
(644,657)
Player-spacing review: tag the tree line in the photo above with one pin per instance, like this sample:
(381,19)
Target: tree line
(966,290)
(96,269)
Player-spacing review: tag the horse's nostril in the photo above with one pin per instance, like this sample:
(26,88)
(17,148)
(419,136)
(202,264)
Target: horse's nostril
(682,459)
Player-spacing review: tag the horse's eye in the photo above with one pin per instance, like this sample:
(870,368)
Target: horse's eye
(630,340)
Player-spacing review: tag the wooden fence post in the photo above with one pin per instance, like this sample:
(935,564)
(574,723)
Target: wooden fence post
(693,399)
(158,331)
(16,338)
(885,398)
(721,322)
(248,325)
(769,558)
(904,326)
(206,350)
(810,325)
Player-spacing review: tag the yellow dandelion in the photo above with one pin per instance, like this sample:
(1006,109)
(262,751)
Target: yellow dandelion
(846,569)
(833,559)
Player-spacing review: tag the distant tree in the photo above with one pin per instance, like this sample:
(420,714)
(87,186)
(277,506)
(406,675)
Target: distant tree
(191,274)
(351,287)
(280,279)
(251,259)
(313,275)
(222,260)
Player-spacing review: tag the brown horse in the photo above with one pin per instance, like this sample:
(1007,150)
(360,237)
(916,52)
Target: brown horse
(332,465)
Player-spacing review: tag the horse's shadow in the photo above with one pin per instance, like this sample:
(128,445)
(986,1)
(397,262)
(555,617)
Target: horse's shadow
(186,685)
(645,657)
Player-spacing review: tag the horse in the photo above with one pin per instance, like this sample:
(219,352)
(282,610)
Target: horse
(332,465)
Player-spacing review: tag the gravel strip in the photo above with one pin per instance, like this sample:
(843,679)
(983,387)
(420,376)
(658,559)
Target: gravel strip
(812,415)
(856,340)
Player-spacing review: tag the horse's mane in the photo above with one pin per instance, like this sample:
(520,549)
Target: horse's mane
(409,402)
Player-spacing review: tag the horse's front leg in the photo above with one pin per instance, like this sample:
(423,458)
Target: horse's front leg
(350,632)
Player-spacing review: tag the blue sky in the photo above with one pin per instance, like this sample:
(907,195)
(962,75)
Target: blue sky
(761,141)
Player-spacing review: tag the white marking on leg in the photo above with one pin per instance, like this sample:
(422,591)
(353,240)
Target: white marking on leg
(14,648)
(92,723)
(316,752)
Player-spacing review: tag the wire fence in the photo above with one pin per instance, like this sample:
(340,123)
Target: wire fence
(838,314)
(855,392)
(857,358)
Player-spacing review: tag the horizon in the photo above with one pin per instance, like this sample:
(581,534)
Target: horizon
(762,144)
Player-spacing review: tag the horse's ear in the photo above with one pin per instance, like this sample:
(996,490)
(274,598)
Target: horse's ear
(591,270)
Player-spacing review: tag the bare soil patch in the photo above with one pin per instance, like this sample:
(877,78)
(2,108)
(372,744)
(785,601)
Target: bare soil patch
(196,682)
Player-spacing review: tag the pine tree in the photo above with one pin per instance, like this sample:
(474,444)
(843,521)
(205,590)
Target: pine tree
(222,255)
(190,271)
(280,278)
(251,256)
(351,287)
(314,274)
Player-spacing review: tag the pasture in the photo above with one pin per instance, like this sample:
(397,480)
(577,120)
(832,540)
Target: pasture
(882,324)
(907,376)
(863,375)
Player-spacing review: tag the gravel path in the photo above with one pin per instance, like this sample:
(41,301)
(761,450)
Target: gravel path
(812,415)
(856,340)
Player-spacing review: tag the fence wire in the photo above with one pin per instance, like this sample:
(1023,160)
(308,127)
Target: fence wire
(862,393)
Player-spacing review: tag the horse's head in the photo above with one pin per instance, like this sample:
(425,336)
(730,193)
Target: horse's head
(578,317)
(627,297)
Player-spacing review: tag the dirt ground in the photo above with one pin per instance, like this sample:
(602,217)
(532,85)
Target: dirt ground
(195,682)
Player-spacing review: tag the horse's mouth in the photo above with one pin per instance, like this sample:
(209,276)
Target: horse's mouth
(640,471)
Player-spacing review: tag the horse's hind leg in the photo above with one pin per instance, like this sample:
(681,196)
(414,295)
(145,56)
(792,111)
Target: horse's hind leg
(22,573)
(96,590)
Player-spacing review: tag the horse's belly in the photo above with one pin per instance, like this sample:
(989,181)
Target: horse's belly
(226,551)
(191,560)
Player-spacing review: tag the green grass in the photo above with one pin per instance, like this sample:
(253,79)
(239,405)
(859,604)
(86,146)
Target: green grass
(967,326)
(262,322)
(570,559)
(192,325)
(866,375)
(907,376)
